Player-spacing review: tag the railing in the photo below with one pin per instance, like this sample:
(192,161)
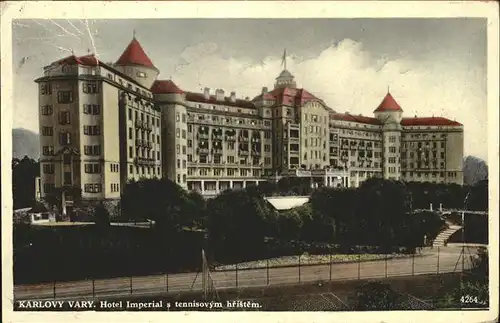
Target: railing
(266,272)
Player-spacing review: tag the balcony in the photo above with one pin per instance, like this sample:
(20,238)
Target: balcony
(217,151)
(203,151)
(201,135)
(139,142)
(243,153)
(243,139)
(217,137)
(230,138)
(144,161)
(256,153)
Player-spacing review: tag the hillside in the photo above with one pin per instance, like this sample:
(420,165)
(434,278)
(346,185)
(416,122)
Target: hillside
(25,143)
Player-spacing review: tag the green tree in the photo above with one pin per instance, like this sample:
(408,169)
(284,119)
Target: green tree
(160,200)
(24,172)
(101,215)
(237,222)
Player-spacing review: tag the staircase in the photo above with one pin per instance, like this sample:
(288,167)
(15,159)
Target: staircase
(443,236)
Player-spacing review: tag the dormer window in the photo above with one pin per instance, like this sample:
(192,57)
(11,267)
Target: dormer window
(142,74)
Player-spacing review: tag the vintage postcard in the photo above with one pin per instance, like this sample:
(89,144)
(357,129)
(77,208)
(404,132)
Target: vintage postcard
(295,161)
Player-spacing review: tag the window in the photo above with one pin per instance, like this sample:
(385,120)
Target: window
(267,148)
(177,117)
(64,117)
(131,169)
(48,150)
(177,132)
(91,109)
(392,150)
(45,88)
(67,178)
(64,97)
(158,155)
(267,160)
(92,130)
(48,168)
(392,160)
(184,150)
(92,150)
(65,138)
(92,188)
(90,88)
(129,133)
(46,110)
(230,172)
(130,152)
(178,149)
(47,131)
(184,133)
(183,163)
(92,168)
(189,143)
(190,158)
(130,114)
(442,154)
(114,168)
(48,187)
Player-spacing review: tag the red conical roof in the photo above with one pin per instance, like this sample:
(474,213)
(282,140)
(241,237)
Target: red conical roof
(388,104)
(135,55)
(164,87)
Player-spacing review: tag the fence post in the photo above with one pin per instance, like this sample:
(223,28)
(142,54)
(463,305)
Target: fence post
(359,266)
(267,267)
(166,280)
(385,265)
(299,267)
(413,264)
(54,289)
(330,266)
(93,288)
(438,262)
(236,275)
(130,285)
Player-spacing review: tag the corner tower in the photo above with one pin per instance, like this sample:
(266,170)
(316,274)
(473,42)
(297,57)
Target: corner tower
(389,113)
(136,64)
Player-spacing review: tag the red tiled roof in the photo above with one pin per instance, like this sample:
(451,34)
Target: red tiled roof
(429,121)
(200,97)
(135,55)
(354,118)
(288,95)
(265,96)
(88,60)
(388,104)
(165,86)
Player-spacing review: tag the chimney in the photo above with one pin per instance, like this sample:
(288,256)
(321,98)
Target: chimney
(233,97)
(264,89)
(206,93)
(219,95)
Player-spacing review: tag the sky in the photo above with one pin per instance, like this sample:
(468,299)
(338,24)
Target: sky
(432,66)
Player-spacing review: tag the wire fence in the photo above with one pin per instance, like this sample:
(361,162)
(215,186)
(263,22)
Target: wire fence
(430,261)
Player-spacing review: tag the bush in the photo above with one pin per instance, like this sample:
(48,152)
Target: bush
(376,296)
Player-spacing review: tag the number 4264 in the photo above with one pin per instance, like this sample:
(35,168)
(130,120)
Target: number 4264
(469,299)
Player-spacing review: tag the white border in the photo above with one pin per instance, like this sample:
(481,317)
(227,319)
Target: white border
(253,9)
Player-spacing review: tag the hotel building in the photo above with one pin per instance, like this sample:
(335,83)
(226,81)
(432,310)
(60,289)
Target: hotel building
(103,124)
